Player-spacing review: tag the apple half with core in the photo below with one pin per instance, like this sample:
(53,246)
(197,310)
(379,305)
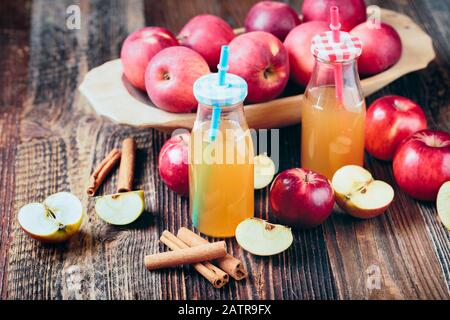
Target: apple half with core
(262,238)
(443,204)
(55,220)
(264,170)
(358,194)
(121,208)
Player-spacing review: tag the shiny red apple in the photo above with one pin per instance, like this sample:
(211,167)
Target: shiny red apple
(261,59)
(170,77)
(298,45)
(351,12)
(301,198)
(139,48)
(381,47)
(206,34)
(274,17)
(173,163)
(390,120)
(422,163)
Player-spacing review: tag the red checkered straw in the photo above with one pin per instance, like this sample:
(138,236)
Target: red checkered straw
(335,27)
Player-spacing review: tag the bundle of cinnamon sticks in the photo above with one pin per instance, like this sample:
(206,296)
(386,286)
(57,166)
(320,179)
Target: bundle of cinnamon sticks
(126,169)
(189,248)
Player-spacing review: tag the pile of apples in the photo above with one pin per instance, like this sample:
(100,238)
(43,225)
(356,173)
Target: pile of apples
(275,47)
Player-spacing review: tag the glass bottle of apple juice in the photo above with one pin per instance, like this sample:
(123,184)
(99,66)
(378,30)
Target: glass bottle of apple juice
(333,108)
(221,157)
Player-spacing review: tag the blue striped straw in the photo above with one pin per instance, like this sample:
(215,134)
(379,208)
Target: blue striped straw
(222,68)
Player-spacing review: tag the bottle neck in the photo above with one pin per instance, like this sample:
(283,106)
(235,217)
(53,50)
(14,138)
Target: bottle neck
(233,113)
(324,74)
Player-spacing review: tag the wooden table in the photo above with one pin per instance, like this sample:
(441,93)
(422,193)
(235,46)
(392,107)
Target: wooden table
(50,139)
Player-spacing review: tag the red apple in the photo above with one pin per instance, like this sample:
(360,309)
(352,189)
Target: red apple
(389,121)
(302,198)
(381,47)
(206,34)
(351,12)
(422,163)
(139,48)
(173,163)
(170,77)
(261,59)
(298,45)
(274,17)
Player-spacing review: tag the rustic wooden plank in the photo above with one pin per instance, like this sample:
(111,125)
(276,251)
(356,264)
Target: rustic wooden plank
(34,270)
(301,273)
(408,245)
(14,32)
(105,262)
(59,59)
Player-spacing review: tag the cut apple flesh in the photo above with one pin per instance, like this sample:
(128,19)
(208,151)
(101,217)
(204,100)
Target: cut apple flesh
(350,179)
(357,193)
(121,208)
(377,194)
(65,207)
(264,171)
(34,218)
(54,220)
(262,238)
(443,204)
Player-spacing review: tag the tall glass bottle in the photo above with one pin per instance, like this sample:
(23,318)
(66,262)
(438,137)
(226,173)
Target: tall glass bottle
(333,108)
(221,162)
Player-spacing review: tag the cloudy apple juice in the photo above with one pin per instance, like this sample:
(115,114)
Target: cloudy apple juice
(221,178)
(332,131)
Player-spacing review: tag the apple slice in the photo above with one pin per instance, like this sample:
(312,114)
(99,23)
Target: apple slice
(357,193)
(55,220)
(264,171)
(121,208)
(261,238)
(443,204)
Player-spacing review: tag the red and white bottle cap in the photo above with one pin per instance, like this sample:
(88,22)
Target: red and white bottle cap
(325,48)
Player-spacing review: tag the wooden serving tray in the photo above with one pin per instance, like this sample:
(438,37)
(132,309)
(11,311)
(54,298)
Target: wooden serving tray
(112,96)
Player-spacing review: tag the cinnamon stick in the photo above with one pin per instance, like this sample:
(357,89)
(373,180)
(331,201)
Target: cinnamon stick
(192,255)
(102,171)
(229,264)
(126,169)
(217,277)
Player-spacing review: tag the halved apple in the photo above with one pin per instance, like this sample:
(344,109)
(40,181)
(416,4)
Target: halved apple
(55,220)
(264,171)
(262,238)
(121,208)
(443,204)
(357,193)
